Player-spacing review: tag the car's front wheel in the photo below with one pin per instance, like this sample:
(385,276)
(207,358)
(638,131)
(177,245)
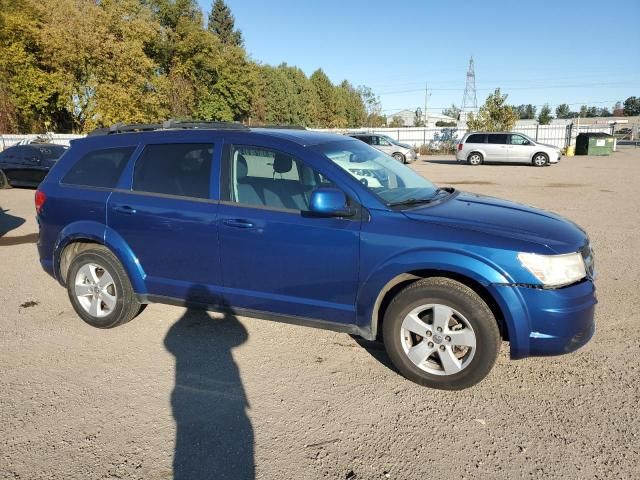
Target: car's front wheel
(399,157)
(100,290)
(540,159)
(439,333)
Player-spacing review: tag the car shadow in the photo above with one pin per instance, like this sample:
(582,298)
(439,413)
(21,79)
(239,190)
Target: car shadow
(441,161)
(214,436)
(9,222)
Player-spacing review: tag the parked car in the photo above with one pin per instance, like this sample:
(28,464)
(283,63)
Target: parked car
(278,224)
(27,165)
(479,147)
(402,152)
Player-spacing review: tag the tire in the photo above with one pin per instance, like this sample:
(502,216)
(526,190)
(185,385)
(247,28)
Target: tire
(464,317)
(100,290)
(4,182)
(399,157)
(475,158)
(540,160)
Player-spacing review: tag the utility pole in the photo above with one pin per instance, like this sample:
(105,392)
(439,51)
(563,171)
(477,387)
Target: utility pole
(427,94)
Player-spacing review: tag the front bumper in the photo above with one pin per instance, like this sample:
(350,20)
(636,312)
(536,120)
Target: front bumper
(411,156)
(556,321)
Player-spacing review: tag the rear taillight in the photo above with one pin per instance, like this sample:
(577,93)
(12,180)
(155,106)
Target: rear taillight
(459,146)
(40,199)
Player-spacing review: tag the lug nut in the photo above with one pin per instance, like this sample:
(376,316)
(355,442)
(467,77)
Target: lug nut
(429,333)
(447,338)
(430,344)
(442,348)
(439,329)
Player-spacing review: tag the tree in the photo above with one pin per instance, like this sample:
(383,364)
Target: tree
(453,112)
(222,23)
(526,112)
(324,88)
(418,118)
(618,111)
(563,111)
(372,107)
(545,115)
(396,121)
(632,106)
(604,112)
(495,115)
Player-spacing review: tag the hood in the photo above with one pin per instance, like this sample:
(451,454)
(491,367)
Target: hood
(404,145)
(504,218)
(549,146)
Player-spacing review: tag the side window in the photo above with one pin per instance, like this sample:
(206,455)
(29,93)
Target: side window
(383,142)
(182,169)
(268,178)
(497,138)
(100,168)
(518,140)
(476,138)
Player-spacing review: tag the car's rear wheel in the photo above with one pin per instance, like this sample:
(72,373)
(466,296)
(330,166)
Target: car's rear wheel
(100,290)
(4,183)
(475,158)
(399,157)
(540,159)
(439,333)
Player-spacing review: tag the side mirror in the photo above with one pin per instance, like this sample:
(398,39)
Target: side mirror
(329,202)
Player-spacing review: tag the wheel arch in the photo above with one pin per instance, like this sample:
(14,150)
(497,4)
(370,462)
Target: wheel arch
(81,236)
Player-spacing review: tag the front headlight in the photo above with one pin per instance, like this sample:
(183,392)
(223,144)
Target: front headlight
(554,270)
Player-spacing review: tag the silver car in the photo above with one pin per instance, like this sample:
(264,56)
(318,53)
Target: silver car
(400,151)
(479,147)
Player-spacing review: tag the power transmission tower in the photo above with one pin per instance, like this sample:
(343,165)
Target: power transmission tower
(469,100)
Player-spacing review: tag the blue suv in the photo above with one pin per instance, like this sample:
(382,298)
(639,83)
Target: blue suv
(314,229)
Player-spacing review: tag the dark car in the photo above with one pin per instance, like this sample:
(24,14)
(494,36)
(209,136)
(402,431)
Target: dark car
(27,165)
(278,224)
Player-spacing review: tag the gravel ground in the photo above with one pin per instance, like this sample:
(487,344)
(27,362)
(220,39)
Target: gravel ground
(186,394)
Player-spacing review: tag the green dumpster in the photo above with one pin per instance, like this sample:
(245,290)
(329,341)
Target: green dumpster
(594,143)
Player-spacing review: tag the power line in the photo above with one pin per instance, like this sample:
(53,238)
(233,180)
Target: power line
(537,105)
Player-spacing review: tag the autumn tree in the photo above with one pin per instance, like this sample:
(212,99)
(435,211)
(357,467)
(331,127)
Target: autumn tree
(495,115)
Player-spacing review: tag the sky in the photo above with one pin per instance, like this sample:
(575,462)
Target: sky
(563,51)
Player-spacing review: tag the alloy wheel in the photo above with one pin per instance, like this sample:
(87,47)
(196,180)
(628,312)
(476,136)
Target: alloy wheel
(438,339)
(95,290)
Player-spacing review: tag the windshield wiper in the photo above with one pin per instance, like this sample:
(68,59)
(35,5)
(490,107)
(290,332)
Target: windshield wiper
(416,201)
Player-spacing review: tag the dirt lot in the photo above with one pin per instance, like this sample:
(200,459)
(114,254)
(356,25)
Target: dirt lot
(233,398)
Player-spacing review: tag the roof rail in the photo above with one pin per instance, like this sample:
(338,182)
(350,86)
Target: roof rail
(169,124)
(283,127)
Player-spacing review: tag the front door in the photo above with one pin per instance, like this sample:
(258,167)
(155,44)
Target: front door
(169,220)
(274,257)
(521,149)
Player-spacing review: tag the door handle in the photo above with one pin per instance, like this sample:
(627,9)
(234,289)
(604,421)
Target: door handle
(237,223)
(126,209)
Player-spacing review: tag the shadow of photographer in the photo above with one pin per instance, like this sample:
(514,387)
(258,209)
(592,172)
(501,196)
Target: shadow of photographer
(214,437)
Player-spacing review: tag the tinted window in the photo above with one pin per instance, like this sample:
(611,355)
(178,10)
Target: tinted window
(267,178)
(498,138)
(475,138)
(100,168)
(182,169)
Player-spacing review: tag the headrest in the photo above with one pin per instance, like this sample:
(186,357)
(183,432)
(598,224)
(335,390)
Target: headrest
(241,167)
(282,163)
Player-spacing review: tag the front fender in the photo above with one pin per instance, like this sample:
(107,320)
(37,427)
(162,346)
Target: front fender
(100,233)
(478,269)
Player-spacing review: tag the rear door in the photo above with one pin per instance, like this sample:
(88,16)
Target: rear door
(14,159)
(167,216)
(497,148)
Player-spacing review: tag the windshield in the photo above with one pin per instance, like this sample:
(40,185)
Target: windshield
(387,178)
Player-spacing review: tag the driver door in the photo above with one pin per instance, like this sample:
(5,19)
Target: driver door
(275,258)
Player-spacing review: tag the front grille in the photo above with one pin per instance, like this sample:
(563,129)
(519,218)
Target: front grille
(589,262)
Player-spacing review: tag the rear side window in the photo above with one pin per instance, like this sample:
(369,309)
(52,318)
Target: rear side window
(100,168)
(182,169)
(497,138)
(475,138)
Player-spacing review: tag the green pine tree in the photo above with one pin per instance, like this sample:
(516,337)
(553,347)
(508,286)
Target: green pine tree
(222,23)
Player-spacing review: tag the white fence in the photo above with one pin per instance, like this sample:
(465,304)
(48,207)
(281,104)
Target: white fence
(9,140)
(558,135)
